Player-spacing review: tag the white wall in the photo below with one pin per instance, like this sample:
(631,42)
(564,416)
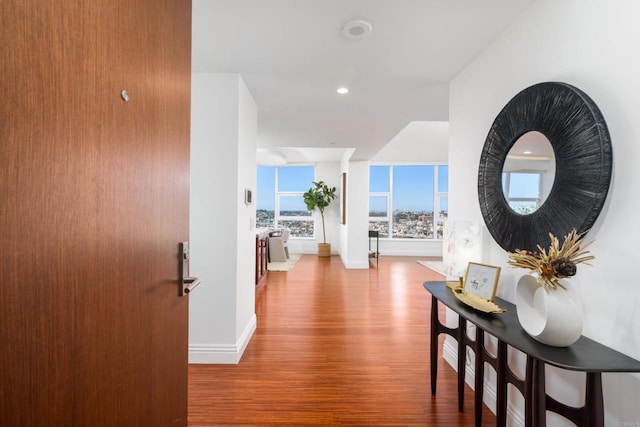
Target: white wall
(594,45)
(223,157)
(355,253)
(426,142)
(247,176)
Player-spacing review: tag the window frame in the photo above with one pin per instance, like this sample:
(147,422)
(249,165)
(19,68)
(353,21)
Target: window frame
(279,219)
(437,197)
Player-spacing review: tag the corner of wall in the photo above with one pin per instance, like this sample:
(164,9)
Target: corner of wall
(223,353)
(354,264)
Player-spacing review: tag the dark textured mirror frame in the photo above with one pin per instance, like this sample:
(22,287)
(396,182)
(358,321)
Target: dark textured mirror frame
(574,126)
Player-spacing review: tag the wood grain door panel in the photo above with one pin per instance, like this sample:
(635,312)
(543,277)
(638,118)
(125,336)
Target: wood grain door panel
(93,202)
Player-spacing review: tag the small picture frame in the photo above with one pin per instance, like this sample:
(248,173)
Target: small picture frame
(482,280)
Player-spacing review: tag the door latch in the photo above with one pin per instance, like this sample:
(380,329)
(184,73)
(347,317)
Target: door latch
(187,283)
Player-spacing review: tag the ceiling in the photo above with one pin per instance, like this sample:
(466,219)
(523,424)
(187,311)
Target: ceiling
(293,56)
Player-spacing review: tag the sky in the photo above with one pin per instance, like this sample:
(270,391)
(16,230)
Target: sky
(291,178)
(413,188)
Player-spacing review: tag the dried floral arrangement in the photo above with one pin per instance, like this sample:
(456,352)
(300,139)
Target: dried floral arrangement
(559,262)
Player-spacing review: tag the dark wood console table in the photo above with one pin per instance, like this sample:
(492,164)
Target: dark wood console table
(585,355)
(262,253)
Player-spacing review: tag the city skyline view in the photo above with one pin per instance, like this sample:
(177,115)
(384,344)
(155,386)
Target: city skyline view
(401,202)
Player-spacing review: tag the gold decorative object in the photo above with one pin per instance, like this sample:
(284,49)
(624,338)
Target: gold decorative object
(473,301)
(454,285)
(557,263)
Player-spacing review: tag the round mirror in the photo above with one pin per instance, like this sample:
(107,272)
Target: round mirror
(578,134)
(528,173)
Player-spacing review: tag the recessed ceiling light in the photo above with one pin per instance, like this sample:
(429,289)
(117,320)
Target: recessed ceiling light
(342,90)
(356,29)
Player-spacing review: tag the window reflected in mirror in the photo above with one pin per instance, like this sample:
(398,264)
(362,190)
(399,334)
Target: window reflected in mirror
(528,173)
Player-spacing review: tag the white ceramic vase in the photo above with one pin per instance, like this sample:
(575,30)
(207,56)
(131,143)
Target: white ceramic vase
(551,316)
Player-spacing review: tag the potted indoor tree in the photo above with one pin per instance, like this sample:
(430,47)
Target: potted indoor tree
(319,197)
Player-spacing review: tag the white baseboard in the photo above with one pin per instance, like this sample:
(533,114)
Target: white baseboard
(222,353)
(515,415)
(356,265)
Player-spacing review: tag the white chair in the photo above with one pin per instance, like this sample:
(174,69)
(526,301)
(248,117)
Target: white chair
(278,249)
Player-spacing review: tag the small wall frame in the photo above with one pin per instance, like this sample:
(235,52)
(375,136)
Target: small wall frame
(482,280)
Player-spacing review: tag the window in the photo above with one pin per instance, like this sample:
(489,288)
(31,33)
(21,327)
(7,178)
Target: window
(279,201)
(522,190)
(405,199)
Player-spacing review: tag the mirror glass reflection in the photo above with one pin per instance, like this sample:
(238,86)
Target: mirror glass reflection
(528,173)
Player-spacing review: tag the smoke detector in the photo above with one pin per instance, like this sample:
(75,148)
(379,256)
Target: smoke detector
(356,29)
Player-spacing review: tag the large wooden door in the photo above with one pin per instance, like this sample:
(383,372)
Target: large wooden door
(93,203)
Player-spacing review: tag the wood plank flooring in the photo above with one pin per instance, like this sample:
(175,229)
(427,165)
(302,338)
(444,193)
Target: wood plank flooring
(334,347)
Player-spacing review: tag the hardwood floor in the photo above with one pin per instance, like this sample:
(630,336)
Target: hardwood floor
(334,347)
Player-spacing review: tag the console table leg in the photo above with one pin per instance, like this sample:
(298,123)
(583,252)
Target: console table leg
(501,385)
(528,393)
(593,405)
(479,378)
(539,395)
(462,361)
(433,357)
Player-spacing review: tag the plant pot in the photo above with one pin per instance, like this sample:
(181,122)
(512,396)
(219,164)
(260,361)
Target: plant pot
(324,249)
(550,316)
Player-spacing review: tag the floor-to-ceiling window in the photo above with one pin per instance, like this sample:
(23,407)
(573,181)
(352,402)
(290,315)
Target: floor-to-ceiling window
(279,201)
(408,201)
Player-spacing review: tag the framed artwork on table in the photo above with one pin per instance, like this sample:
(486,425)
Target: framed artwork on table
(482,280)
